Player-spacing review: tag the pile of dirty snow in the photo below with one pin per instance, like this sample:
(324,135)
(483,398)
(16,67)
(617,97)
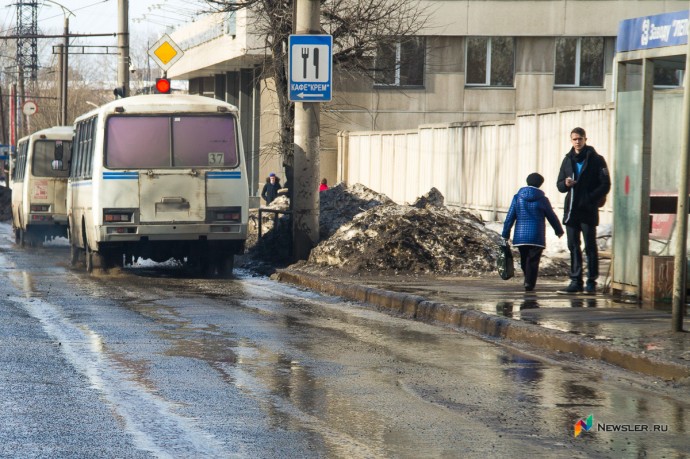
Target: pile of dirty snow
(425,237)
(273,249)
(340,204)
(363,231)
(5,203)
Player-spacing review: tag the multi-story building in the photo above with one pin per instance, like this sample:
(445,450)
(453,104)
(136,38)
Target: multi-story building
(475,60)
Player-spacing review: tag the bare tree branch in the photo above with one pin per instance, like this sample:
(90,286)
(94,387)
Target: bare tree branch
(358,27)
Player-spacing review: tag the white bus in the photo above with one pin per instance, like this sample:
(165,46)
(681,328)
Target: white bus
(38,180)
(158,177)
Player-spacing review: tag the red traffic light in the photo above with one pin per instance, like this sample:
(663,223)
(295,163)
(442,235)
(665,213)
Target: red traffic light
(163,86)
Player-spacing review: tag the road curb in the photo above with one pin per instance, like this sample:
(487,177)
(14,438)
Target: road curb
(418,308)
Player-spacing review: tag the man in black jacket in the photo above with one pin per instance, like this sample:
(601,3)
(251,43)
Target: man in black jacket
(270,189)
(585,177)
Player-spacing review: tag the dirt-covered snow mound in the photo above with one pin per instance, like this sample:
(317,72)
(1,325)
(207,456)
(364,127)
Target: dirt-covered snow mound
(341,203)
(423,238)
(5,203)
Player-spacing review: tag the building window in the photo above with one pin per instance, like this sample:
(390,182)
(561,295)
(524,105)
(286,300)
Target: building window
(400,64)
(580,61)
(490,61)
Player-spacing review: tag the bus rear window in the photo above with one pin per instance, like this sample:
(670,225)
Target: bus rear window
(141,142)
(47,160)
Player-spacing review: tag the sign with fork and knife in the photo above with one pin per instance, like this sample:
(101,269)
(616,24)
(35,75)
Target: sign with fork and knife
(310,67)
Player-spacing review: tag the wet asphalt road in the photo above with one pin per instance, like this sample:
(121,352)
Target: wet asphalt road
(148,362)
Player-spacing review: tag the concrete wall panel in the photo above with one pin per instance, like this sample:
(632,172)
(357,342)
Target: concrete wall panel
(533,91)
(478,165)
(491,103)
(577,96)
(445,92)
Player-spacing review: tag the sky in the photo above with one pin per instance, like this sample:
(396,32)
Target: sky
(148,21)
(147,18)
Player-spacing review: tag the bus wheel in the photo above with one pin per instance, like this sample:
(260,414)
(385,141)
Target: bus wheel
(94,261)
(31,239)
(111,260)
(206,266)
(74,255)
(225,266)
(129,259)
(88,258)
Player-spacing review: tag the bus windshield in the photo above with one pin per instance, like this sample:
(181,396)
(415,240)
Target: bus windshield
(180,140)
(47,161)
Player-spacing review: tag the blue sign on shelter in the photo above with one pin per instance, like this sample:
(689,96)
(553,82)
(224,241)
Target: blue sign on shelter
(668,29)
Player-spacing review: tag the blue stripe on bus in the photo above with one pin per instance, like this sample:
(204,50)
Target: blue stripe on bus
(120,175)
(224,175)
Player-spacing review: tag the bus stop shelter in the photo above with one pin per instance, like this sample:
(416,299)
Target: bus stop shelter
(650,65)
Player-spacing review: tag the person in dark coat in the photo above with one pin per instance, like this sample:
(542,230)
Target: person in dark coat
(529,208)
(585,178)
(271,187)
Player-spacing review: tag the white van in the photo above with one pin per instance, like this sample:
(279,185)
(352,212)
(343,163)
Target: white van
(158,177)
(38,180)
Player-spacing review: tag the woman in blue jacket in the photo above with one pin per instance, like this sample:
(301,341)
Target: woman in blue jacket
(528,210)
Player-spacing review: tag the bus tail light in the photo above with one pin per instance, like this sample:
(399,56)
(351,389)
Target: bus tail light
(117,216)
(229,214)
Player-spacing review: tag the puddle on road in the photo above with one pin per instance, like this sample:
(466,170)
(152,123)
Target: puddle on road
(150,419)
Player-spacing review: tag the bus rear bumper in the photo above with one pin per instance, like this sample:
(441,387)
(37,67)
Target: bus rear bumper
(173,232)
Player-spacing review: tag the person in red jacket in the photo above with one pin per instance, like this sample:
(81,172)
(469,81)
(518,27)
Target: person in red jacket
(324,185)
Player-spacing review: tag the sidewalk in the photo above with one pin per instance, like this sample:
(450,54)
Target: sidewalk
(634,336)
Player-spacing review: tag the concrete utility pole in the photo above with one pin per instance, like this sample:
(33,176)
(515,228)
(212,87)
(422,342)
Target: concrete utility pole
(3,124)
(65,75)
(60,77)
(21,123)
(123,45)
(63,64)
(305,206)
(680,257)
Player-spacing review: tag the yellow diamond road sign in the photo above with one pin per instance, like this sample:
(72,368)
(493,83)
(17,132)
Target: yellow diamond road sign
(165,52)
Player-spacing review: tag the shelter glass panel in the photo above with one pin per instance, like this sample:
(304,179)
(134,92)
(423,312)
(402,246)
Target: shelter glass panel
(667,119)
(626,183)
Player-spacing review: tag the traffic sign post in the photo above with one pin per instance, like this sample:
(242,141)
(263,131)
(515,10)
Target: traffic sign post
(310,68)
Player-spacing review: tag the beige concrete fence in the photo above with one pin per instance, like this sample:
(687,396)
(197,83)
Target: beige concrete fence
(476,165)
